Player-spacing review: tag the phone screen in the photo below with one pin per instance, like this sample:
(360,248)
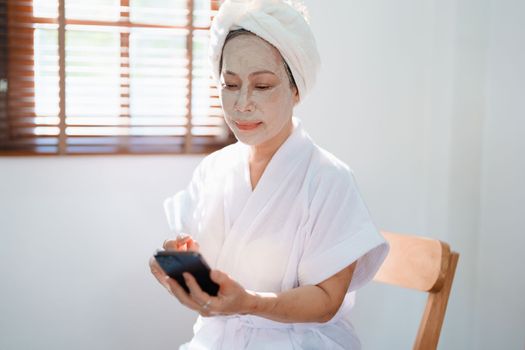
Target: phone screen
(175,263)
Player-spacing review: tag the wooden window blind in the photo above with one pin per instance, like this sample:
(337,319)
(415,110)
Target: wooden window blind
(3,69)
(110,76)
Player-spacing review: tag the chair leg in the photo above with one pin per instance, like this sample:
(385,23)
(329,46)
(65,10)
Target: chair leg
(432,320)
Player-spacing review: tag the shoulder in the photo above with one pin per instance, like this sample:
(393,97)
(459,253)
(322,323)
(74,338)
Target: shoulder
(330,180)
(328,170)
(221,160)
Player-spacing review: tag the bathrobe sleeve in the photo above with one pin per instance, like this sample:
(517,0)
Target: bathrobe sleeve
(180,208)
(339,231)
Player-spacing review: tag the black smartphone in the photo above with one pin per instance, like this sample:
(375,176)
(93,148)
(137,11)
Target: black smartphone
(175,263)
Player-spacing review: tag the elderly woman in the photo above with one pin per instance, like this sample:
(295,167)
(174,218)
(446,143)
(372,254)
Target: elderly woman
(279,219)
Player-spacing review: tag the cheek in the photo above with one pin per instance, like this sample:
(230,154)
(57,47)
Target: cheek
(279,102)
(227,100)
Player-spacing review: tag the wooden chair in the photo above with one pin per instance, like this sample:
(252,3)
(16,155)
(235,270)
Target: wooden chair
(426,265)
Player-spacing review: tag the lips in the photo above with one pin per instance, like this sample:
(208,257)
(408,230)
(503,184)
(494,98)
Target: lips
(247,125)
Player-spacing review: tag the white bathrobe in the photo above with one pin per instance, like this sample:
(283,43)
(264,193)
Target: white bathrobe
(304,222)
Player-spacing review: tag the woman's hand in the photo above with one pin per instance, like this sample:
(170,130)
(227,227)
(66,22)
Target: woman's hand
(231,299)
(183,242)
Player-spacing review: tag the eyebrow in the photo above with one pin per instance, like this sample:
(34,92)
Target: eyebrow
(251,74)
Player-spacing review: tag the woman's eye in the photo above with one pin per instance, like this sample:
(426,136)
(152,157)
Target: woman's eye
(229,86)
(262,87)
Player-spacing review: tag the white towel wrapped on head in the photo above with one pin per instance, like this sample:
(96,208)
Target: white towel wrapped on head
(278,23)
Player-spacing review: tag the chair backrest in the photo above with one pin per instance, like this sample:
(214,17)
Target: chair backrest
(426,265)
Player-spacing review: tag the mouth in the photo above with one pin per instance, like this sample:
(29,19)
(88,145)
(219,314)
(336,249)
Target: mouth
(247,125)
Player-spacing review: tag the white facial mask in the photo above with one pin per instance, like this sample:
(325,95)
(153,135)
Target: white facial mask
(256,95)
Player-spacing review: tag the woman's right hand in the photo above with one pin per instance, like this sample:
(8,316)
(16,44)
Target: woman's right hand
(181,243)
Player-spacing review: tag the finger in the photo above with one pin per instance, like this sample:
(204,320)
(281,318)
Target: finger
(223,280)
(218,277)
(196,292)
(169,244)
(160,275)
(210,306)
(181,294)
(156,270)
(176,244)
(192,245)
(182,241)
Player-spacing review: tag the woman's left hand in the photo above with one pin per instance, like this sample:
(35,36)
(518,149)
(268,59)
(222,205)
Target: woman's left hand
(231,299)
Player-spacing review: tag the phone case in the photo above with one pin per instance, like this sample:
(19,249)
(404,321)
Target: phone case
(175,263)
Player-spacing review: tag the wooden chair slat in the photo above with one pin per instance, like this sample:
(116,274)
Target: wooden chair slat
(426,265)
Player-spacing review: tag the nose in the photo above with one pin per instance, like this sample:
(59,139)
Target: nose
(244,102)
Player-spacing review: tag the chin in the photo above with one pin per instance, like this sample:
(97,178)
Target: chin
(252,140)
(248,141)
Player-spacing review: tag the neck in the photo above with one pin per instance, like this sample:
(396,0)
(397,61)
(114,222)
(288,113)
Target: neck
(265,151)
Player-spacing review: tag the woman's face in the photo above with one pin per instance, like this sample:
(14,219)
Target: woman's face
(256,95)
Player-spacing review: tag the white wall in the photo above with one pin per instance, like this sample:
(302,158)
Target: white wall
(76,236)
(421,98)
(500,303)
